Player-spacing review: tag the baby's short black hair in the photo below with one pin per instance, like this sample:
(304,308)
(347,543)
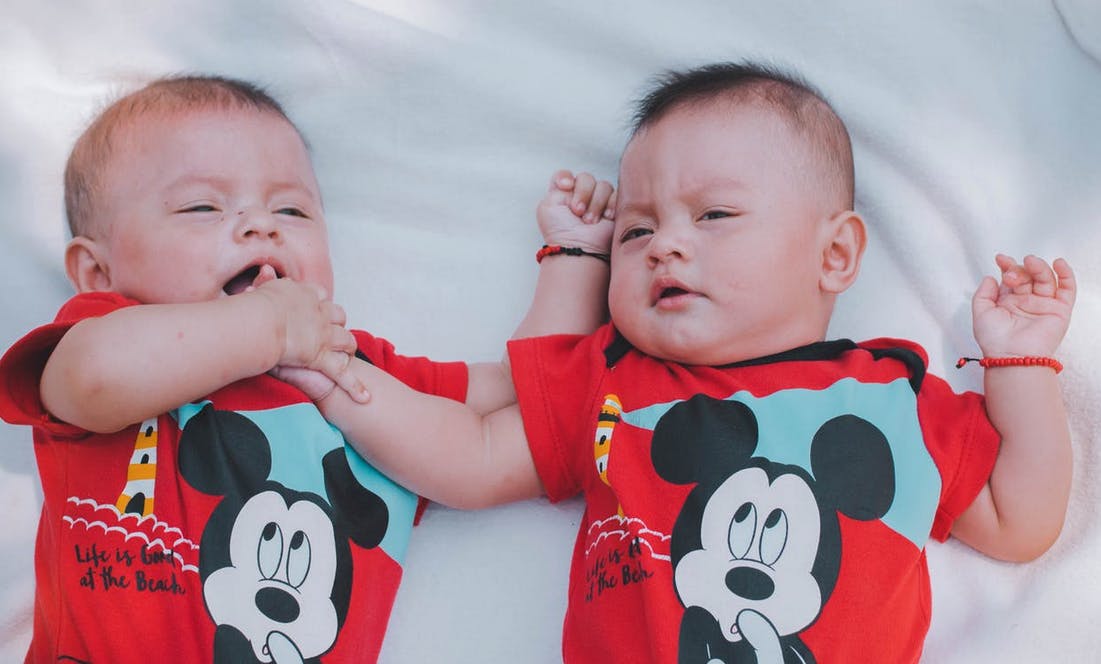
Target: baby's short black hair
(755,83)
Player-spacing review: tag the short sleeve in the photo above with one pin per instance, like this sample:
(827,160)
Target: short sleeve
(21,366)
(964,445)
(445,379)
(556,379)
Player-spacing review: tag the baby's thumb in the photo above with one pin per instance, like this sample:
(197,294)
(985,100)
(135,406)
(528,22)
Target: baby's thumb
(986,296)
(266,274)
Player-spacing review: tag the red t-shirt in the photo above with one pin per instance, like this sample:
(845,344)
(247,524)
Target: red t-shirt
(237,528)
(777,507)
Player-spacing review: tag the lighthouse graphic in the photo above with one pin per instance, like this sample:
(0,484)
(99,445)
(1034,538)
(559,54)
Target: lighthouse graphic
(610,414)
(141,474)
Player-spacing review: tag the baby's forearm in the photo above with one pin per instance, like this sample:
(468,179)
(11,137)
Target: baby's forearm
(1030,484)
(138,362)
(439,448)
(571,297)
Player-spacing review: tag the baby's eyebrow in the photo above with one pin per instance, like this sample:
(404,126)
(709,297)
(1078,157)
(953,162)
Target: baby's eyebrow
(719,182)
(220,183)
(632,208)
(214,181)
(293,188)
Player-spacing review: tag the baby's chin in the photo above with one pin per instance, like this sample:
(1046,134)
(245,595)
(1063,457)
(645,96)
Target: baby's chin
(679,350)
(678,337)
(695,345)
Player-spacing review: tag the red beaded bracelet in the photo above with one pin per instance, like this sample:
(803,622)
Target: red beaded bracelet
(1028,361)
(554,250)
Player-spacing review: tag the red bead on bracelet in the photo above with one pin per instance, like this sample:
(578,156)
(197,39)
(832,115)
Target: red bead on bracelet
(1027,361)
(554,250)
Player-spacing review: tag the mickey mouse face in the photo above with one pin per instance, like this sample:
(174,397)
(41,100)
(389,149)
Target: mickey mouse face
(759,541)
(278,586)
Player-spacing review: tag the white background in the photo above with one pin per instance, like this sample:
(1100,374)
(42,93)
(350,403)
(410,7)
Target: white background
(435,126)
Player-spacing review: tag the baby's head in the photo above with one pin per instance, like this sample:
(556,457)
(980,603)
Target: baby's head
(183,190)
(734,229)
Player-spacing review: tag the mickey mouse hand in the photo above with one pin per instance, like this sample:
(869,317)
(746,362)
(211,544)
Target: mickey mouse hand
(759,633)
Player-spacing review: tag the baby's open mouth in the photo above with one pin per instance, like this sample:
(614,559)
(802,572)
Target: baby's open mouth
(670,294)
(244,279)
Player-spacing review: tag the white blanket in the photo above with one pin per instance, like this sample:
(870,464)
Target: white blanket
(435,125)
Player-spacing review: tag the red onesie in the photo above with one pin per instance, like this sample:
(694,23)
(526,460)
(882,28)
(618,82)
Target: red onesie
(239,528)
(774,510)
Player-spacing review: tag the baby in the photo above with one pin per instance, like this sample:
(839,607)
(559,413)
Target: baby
(195,507)
(753,491)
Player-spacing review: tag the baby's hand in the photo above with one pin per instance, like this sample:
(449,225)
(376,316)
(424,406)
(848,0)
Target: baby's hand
(314,337)
(1029,312)
(316,385)
(577,211)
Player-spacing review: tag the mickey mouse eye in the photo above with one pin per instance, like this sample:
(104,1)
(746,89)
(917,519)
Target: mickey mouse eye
(774,537)
(298,559)
(742,529)
(269,551)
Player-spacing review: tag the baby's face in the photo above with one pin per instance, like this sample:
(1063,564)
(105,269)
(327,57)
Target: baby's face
(716,254)
(196,202)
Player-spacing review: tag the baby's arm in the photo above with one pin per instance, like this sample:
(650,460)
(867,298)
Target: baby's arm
(475,454)
(571,293)
(1019,514)
(438,448)
(137,362)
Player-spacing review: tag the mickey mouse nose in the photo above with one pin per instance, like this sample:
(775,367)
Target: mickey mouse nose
(277,604)
(750,583)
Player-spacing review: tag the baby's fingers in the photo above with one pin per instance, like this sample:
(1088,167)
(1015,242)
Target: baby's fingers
(1015,278)
(601,205)
(985,298)
(1067,289)
(1042,276)
(266,274)
(559,191)
(334,313)
(592,199)
(315,384)
(584,184)
(337,367)
(562,180)
(341,340)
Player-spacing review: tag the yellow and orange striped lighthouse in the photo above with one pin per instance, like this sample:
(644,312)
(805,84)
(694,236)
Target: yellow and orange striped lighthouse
(141,474)
(602,446)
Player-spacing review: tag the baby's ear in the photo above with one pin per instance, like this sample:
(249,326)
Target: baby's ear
(85,265)
(845,239)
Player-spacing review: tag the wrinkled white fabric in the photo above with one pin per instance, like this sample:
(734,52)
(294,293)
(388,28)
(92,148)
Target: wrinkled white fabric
(435,126)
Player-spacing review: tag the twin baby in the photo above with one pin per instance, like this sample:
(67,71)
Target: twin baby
(231,474)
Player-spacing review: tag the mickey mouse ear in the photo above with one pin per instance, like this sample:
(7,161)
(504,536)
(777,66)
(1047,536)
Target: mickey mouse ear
(222,450)
(853,467)
(361,513)
(703,438)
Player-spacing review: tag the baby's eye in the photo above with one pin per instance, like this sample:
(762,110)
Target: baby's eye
(633,233)
(715,214)
(292,212)
(199,207)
